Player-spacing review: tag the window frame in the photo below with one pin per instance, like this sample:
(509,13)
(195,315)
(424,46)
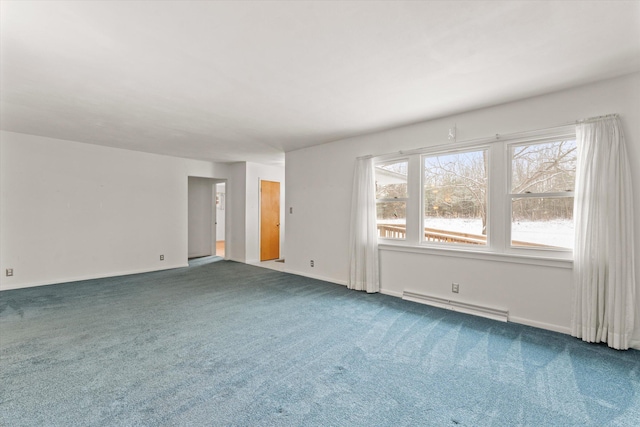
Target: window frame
(460,150)
(499,201)
(542,251)
(376,164)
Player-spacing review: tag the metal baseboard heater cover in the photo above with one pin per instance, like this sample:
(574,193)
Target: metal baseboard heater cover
(462,307)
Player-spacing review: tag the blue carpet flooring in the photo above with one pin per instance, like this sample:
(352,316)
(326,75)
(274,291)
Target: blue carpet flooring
(228,344)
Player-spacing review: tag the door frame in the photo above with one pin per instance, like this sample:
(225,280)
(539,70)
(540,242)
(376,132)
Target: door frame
(279,225)
(212,213)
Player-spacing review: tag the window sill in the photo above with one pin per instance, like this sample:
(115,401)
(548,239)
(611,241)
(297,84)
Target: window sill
(478,255)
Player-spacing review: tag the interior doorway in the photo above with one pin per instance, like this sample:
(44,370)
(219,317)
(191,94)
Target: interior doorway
(206,217)
(269,220)
(220,209)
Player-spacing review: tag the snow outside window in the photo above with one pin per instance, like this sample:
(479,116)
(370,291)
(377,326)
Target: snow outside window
(455,197)
(541,191)
(512,195)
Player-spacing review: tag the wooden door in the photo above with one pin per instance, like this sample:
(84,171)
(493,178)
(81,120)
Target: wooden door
(269,220)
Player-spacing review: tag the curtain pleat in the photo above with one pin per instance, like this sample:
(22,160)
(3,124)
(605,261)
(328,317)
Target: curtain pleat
(605,306)
(363,267)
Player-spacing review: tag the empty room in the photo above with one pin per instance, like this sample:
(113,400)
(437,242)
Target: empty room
(319,213)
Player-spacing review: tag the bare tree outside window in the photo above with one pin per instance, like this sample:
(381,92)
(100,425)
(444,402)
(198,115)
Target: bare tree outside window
(455,186)
(542,184)
(455,197)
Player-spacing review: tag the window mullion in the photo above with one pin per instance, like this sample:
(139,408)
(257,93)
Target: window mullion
(414,203)
(540,195)
(499,221)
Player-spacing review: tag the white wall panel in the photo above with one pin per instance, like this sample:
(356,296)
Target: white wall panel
(72,211)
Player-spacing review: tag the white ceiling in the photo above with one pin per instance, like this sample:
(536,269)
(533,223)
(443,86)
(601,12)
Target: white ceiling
(232,81)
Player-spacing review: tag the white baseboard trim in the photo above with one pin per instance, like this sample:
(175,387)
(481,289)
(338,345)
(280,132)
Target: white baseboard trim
(514,319)
(541,325)
(391,293)
(88,277)
(313,276)
(199,255)
(472,310)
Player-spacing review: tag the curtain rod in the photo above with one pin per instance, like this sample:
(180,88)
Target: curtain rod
(597,118)
(487,138)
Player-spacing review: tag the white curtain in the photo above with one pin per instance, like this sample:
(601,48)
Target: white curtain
(605,285)
(363,244)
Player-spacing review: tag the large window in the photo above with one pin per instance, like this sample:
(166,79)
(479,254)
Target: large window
(505,195)
(391,199)
(455,197)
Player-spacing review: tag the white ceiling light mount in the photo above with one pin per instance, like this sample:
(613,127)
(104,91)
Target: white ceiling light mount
(452,133)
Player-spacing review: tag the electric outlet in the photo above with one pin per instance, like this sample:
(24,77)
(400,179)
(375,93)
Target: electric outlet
(455,288)
(9,271)
(311,263)
(161,257)
(290,210)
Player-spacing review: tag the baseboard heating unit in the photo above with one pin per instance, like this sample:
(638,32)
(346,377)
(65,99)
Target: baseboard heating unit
(462,307)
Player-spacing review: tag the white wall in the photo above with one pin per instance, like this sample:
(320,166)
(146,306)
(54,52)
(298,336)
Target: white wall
(200,216)
(243,244)
(235,241)
(319,181)
(71,211)
(256,173)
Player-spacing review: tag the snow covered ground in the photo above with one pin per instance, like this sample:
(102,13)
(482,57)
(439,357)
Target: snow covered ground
(556,232)
(553,233)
